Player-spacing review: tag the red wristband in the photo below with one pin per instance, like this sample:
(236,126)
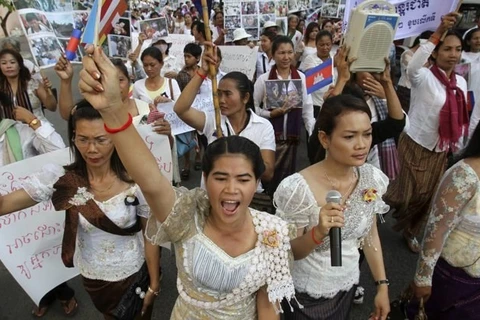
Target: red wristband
(315,240)
(204,77)
(124,127)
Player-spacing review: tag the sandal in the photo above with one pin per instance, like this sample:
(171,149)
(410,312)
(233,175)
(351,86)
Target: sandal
(39,312)
(70,307)
(185,174)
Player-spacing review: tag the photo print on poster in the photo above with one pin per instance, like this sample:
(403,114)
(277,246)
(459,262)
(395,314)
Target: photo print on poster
(279,92)
(45,49)
(62,23)
(44,5)
(150,26)
(35,22)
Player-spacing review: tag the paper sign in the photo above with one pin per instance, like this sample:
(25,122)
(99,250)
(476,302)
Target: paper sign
(239,58)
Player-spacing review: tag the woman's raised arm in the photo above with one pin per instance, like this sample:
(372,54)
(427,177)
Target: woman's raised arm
(99,84)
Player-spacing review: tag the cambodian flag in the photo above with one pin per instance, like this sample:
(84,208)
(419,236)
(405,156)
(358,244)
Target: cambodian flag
(320,76)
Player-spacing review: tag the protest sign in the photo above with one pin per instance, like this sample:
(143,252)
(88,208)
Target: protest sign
(415,16)
(239,58)
(31,239)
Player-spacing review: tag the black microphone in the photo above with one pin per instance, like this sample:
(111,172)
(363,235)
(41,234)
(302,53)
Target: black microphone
(333,196)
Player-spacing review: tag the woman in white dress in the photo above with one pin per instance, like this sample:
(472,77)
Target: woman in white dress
(309,43)
(471,55)
(221,245)
(327,292)
(105,210)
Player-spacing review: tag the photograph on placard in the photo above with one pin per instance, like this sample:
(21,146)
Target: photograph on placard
(83,4)
(282,25)
(281,8)
(266,18)
(250,21)
(232,22)
(62,23)
(118,46)
(121,28)
(303,4)
(44,5)
(254,32)
(266,7)
(17,43)
(151,26)
(249,7)
(35,22)
(279,92)
(64,43)
(329,10)
(229,35)
(80,19)
(232,8)
(341,11)
(45,49)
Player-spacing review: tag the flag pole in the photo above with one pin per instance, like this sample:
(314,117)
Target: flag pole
(213,71)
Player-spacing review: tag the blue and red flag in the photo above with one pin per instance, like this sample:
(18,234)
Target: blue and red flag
(319,76)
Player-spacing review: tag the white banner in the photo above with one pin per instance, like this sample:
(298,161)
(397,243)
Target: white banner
(31,239)
(416,16)
(239,58)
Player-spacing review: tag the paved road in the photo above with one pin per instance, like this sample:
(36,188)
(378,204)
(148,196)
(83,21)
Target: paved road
(400,264)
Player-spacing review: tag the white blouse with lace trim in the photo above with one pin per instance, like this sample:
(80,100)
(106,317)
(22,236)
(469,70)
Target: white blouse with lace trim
(209,278)
(453,228)
(296,204)
(99,255)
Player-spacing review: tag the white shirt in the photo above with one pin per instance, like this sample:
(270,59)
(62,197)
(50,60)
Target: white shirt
(474,85)
(404,61)
(297,40)
(373,157)
(259,96)
(306,52)
(171,63)
(100,255)
(310,62)
(428,96)
(140,90)
(258,130)
(43,140)
(263,64)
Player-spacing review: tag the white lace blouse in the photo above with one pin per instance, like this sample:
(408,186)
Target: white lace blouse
(211,283)
(296,204)
(100,255)
(453,228)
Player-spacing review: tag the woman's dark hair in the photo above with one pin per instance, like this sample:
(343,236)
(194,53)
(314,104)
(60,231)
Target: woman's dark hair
(327,120)
(279,40)
(23,75)
(321,34)
(423,35)
(153,52)
(5,103)
(84,111)
(200,27)
(117,62)
(216,14)
(468,38)
(193,49)
(233,145)
(310,27)
(449,33)
(244,86)
(472,150)
(269,34)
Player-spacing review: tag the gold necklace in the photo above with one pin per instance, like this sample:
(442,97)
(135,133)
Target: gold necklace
(334,185)
(104,190)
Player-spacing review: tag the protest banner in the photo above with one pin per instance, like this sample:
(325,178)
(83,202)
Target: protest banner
(415,16)
(31,239)
(239,58)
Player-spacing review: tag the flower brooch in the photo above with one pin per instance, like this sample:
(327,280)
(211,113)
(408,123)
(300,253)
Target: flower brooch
(271,238)
(131,200)
(81,197)
(370,196)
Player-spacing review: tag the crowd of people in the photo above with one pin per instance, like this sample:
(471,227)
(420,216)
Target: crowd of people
(252,241)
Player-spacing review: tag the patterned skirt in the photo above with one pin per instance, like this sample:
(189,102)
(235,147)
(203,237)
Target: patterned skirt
(413,189)
(336,308)
(455,295)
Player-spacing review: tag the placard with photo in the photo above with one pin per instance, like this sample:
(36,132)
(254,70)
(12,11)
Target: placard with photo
(150,26)
(62,23)
(279,92)
(118,46)
(46,49)
(34,22)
